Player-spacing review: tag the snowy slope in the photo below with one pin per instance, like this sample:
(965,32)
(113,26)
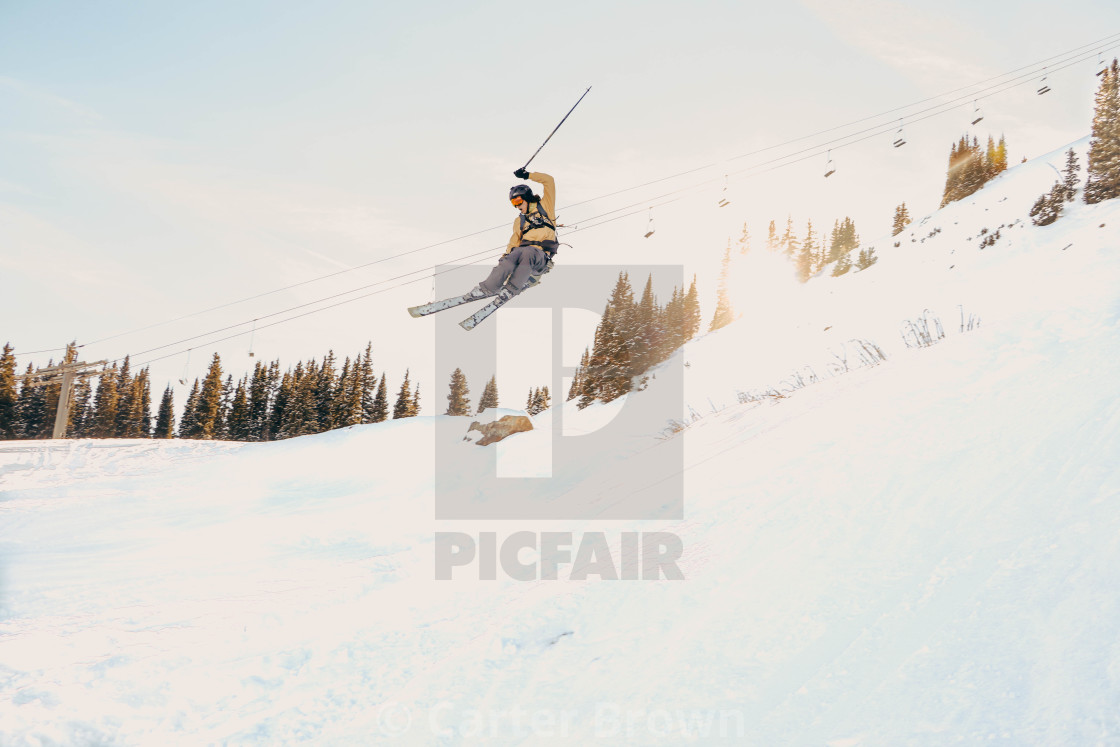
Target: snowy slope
(926,551)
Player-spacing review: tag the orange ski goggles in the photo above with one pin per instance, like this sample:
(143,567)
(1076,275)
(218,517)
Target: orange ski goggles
(516,201)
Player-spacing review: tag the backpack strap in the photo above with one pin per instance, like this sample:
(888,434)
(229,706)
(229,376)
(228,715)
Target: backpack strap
(540,219)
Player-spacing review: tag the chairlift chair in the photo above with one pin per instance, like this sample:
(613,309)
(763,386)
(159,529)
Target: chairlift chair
(252,335)
(900,141)
(979,114)
(1101,64)
(1045,88)
(186,365)
(829,169)
(723,201)
(649,226)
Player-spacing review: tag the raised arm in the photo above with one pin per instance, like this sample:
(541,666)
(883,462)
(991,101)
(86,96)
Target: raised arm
(548,197)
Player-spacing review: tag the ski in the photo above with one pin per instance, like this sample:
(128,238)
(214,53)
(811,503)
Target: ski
(446,303)
(476,318)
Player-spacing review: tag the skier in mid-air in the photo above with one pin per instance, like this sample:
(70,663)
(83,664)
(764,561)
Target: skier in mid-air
(533,243)
(528,254)
(530,250)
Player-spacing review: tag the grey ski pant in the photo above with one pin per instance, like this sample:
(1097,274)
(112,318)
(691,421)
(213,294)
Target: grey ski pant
(518,265)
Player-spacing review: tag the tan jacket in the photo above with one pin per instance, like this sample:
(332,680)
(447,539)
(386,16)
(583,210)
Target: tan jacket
(548,202)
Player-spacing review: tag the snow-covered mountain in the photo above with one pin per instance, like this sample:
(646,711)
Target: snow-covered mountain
(921,551)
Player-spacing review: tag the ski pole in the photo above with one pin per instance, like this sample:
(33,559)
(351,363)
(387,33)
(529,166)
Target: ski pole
(526,166)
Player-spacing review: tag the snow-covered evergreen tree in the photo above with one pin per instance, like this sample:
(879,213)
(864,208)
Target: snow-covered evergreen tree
(188,425)
(238,422)
(772,240)
(724,314)
(458,401)
(1071,177)
(380,411)
(165,418)
(806,255)
(866,258)
(489,398)
(209,405)
(105,405)
(1048,207)
(1102,177)
(402,408)
(901,219)
(744,240)
(9,394)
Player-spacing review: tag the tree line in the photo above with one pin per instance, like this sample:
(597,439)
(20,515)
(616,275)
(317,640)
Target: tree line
(265,405)
(632,337)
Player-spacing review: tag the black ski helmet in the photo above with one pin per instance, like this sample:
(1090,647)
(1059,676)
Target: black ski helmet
(522,191)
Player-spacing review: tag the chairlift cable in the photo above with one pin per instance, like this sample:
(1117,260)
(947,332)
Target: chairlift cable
(677,194)
(1075,51)
(940,109)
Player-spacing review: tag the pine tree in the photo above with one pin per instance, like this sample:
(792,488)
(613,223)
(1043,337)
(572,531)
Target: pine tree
(539,400)
(301,413)
(1102,176)
(1071,176)
(772,240)
(367,383)
(137,423)
(576,389)
(323,389)
(9,395)
(970,168)
(789,242)
(209,406)
(380,411)
(221,424)
(125,394)
(278,413)
(647,329)
(414,407)
(1048,208)
(901,220)
(105,405)
(990,160)
(843,265)
(260,394)
(673,323)
(844,239)
(866,258)
(806,255)
(724,314)
(81,412)
(975,173)
(165,418)
(134,404)
(691,312)
(489,398)
(458,402)
(965,174)
(744,240)
(188,425)
(346,406)
(238,423)
(402,407)
(597,363)
(615,343)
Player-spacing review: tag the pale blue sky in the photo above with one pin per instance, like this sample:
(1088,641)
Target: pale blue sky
(158,158)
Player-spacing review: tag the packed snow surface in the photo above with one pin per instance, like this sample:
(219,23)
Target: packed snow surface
(924,551)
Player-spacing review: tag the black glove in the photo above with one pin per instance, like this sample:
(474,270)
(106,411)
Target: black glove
(522,173)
